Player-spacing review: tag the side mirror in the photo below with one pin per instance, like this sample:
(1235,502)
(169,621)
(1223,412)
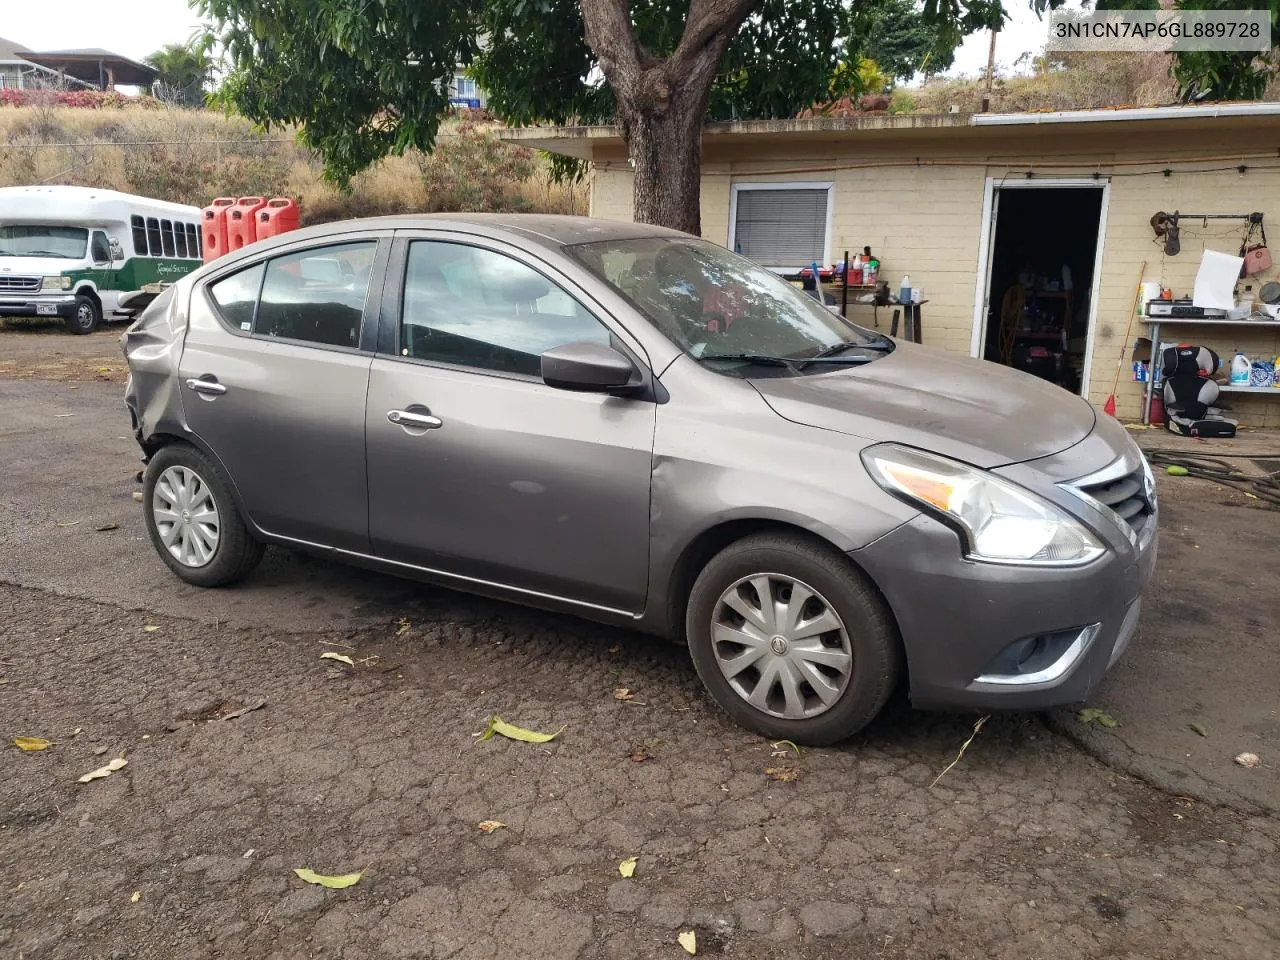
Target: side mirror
(588,367)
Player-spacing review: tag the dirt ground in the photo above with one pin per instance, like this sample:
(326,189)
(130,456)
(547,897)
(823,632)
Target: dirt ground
(41,349)
(1029,847)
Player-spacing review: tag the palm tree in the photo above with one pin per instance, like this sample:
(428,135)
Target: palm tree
(186,70)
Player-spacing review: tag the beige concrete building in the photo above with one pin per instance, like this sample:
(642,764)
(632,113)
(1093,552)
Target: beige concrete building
(974,206)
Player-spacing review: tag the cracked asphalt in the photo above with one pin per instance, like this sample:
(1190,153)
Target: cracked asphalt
(1028,847)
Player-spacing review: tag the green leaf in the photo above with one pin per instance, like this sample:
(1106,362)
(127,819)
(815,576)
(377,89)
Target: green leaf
(500,727)
(1197,729)
(29,744)
(1100,717)
(331,883)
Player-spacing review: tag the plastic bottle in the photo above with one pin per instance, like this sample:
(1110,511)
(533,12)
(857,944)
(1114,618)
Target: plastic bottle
(855,271)
(1240,370)
(1275,380)
(904,289)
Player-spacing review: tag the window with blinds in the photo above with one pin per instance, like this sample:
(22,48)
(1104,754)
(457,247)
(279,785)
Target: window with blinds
(782,228)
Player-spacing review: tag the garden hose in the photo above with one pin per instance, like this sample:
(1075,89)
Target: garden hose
(1219,470)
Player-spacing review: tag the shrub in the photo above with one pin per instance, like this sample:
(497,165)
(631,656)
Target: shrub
(471,169)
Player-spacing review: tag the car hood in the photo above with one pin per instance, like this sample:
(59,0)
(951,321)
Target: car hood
(978,412)
(36,266)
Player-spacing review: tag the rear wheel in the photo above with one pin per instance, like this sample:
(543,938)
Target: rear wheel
(791,639)
(86,317)
(193,521)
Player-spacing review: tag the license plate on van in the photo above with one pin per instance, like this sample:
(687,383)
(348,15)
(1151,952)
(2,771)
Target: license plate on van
(46,309)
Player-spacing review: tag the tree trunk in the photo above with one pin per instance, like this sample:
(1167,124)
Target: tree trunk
(662,103)
(666,149)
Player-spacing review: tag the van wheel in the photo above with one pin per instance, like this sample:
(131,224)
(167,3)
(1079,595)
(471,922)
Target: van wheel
(193,521)
(791,640)
(86,317)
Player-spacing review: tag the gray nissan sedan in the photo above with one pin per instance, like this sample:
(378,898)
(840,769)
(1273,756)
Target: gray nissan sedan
(647,430)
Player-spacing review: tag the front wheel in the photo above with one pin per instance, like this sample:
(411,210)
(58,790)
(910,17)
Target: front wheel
(791,639)
(193,521)
(86,317)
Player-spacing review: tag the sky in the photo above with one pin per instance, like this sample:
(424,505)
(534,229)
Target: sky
(137,28)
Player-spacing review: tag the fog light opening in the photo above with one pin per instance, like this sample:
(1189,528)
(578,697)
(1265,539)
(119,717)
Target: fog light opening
(1042,658)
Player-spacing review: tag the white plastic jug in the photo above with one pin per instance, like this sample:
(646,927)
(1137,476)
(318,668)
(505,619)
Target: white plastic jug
(1240,370)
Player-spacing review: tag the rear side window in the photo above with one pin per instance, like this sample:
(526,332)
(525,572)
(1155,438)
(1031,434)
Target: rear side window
(166,236)
(139,235)
(193,241)
(317,295)
(179,240)
(153,237)
(237,295)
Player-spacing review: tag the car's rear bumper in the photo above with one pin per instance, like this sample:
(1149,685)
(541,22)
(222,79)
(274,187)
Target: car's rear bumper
(956,616)
(33,305)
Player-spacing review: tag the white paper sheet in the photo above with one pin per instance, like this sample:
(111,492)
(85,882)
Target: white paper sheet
(1216,280)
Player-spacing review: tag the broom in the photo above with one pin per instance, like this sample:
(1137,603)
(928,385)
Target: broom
(1109,407)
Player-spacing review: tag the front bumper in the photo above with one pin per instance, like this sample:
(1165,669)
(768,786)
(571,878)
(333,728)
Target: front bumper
(956,616)
(63,304)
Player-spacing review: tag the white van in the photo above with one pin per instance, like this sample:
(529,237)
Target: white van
(83,254)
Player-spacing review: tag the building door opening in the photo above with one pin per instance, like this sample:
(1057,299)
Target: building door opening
(1043,255)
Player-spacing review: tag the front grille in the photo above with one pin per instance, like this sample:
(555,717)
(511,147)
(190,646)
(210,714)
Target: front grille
(1125,496)
(25,284)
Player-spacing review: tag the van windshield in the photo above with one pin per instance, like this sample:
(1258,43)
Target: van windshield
(22,240)
(726,311)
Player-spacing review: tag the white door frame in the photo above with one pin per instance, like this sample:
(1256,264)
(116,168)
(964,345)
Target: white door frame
(986,251)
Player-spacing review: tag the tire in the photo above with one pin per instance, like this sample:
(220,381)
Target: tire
(213,553)
(858,662)
(87,315)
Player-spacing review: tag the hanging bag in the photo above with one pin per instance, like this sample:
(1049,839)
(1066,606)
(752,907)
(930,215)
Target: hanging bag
(1257,257)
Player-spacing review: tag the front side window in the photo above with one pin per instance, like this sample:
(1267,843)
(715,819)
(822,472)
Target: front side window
(139,235)
(477,308)
(317,295)
(99,249)
(22,240)
(237,296)
(726,311)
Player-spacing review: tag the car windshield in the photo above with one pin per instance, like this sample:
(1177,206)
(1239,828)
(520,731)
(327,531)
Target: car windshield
(727,311)
(41,241)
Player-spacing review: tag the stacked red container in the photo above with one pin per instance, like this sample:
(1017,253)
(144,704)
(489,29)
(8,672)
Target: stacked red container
(280,215)
(242,222)
(213,226)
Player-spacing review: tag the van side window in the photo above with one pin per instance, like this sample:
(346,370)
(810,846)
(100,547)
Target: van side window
(166,235)
(237,296)
(180,239)
(99,249)
(139,235)
(193,241)
(153,237)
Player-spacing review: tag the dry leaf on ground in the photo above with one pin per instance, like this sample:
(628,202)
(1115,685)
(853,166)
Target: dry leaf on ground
(783,774)
(137,495)
(330,883)
(689,940)
(71,523)
(1100,717)
(403,628)
(1249,760)
(500,727)
(236,714)
(150,628)
(341,658)
(137,895)
(117,764)
(627,868)
(29,744)
(107,526)
(488,826)
(640,752)
(622,693)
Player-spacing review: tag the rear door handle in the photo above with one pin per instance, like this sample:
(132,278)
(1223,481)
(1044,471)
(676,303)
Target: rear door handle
(411,418)
(207,385)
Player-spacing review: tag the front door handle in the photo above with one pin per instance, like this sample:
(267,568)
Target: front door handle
(411,418)
(207,385)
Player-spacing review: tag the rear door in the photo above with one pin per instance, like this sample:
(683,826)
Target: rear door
(274,374)
(511,482)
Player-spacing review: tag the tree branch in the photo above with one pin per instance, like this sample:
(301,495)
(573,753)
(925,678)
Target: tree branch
(612,38)
(711,19)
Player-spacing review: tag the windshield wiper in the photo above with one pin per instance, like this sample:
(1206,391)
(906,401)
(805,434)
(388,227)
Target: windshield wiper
(764,358)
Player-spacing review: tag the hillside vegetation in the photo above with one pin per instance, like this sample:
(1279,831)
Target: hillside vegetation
(191,156)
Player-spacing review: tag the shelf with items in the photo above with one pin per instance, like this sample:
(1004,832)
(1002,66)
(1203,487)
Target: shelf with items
(1155,323)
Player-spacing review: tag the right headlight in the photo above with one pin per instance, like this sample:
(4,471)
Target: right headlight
(999,521)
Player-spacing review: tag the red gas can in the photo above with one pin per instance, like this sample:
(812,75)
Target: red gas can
(213,227)
(242,228)
(280,215)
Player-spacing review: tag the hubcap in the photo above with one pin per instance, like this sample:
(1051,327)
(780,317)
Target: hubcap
(186,516)
(782,646)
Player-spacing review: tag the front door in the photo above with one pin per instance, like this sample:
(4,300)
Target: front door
(103,271)
(273,379)
(479,469)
